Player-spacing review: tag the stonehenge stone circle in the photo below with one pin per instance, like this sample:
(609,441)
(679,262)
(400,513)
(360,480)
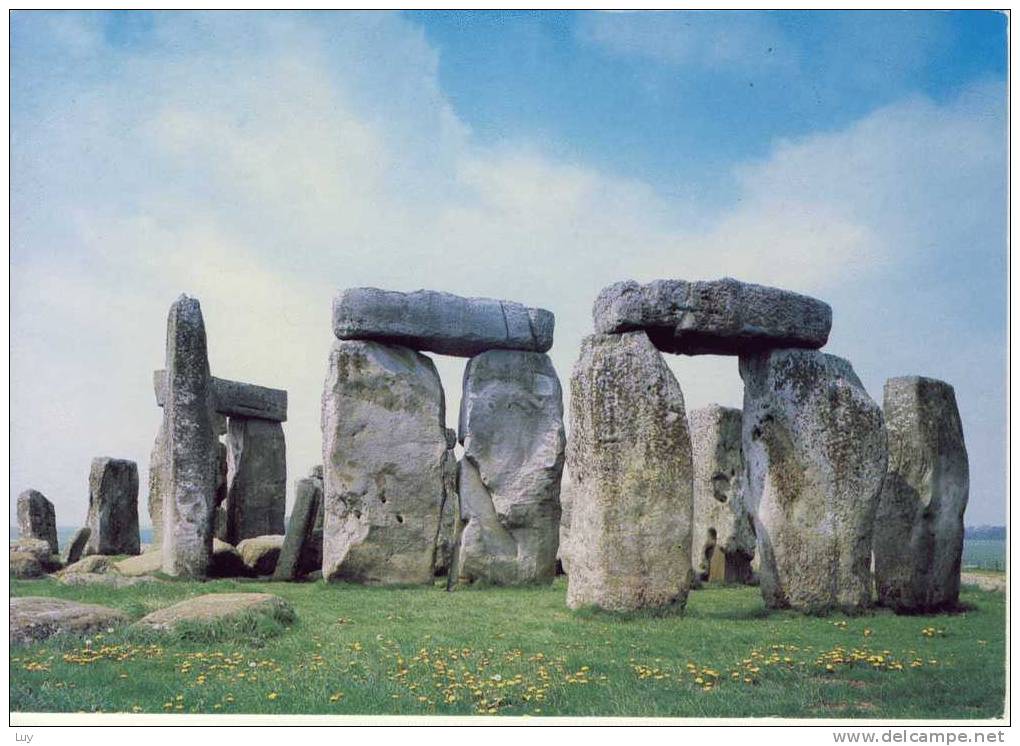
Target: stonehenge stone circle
(449,520)
(76,547)
(37,518)
(566,507)
(629,456)
(190,444)
(441,322)
(260,553)
(815,452)
(256,478)
(300,528)
(386,462)
(724,540)
(918,539)
(720,317)
(113,507)
(511,427)
(159,477)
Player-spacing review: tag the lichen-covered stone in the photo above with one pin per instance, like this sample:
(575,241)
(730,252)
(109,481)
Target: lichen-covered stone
(724,540)
(260,553)
(918,540)
(217,607)
(35,618)
(190,441)
(24,566)
(40,549)
(386,464)
(37,518)
(441,322)
(629,455)
(300,527)
(256,478)
(717,317)
(226,561)
(511,426)
(76,547)
(566,508)
(113,507)
(815,449)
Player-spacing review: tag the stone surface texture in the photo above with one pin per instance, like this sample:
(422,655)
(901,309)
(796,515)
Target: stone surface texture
(918,541)
(722,522)
(76,547)
(236,399)
(386,464)
(441,322)
(511,426)
(36,618)
(815,452)
(213,607)
(41,550)
(190,443)
(113,507)
(37,518)
(260,553)
(300,529)
(629,456)
(256,478)
(718,317)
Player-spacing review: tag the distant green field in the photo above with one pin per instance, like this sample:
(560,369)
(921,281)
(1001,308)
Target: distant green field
(505,651)
(984,554)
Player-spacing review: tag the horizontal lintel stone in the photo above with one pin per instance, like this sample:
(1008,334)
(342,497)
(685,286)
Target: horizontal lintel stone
(236,399)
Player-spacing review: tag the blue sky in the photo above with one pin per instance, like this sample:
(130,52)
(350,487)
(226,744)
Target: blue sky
(261,161)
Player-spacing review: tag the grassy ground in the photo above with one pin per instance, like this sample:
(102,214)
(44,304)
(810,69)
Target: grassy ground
(357,650)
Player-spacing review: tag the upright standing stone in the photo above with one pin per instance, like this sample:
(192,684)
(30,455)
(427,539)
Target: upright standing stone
(190,442)
(723,532)
(566,508)
(815,452)
(256,478)
(76,547)
(919,525)
(308,497)
(159,477)
(37,518)
(449,521)
(629,455)
(113,507)
(511,426)
(386,461)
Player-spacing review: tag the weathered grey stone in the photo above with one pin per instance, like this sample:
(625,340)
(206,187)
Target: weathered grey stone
(236,399)
(724,538)
(215,607)
(226,562)
(37,519)
(441,322)
(260,553)
(159,475)
(76,547)
(511,426)
(24,566)
(112,580)
(190,442)
(449,520)
(629,455)
(40,549)
(566,508)
(256,478)
(307,499)
(221,530)
(918,540)
(35,618)
(815,453)
(97,564)
(113,507)
(315,472)
(718,317)
(386,463)
(143,564)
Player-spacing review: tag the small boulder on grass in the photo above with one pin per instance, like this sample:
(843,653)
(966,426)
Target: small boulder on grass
(35,618)
(261,553)
(111,579)
(25,566)
(39,549)
(217,607)
(96,564)
(141,564)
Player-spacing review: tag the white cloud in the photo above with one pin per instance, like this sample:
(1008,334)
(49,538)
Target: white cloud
(262,167)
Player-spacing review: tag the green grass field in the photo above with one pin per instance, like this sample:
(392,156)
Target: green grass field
(419,651)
